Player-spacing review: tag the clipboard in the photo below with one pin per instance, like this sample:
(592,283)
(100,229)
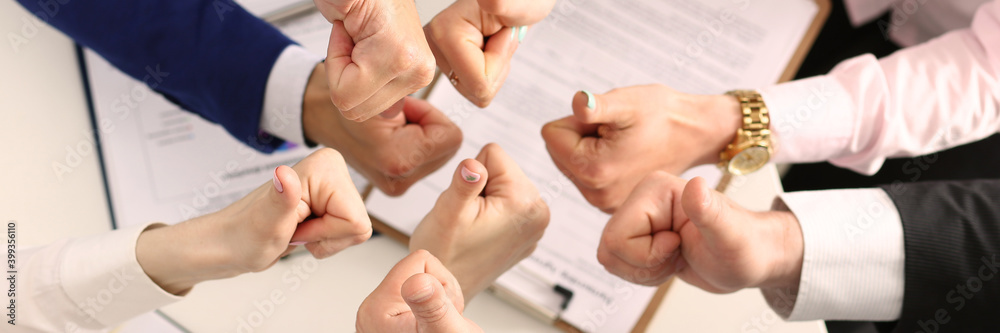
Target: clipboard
(809,36)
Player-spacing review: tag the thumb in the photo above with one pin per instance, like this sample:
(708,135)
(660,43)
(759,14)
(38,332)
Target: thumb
(610,108)
(286,191)
(468,182)
(709,210)
(432,308)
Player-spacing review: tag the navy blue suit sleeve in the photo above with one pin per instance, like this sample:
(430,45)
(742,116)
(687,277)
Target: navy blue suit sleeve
(210,57)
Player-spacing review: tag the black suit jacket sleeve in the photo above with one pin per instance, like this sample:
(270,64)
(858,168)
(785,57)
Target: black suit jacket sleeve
(952,242)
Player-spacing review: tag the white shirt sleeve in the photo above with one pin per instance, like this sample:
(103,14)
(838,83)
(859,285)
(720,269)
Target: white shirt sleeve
(89,283)
(919,100)
(853,260)
(283,95)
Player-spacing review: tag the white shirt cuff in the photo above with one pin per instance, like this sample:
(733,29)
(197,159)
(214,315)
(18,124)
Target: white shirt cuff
(101,275)
(811,119)
(853,262)
(286,86)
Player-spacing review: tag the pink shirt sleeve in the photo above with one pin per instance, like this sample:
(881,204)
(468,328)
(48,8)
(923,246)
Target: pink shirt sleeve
(922,99)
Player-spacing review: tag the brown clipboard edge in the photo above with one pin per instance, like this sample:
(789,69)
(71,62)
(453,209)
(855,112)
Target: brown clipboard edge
(823,11)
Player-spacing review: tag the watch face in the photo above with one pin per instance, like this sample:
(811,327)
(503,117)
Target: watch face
(749,160)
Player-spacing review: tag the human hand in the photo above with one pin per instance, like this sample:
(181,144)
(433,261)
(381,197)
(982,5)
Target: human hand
(474,40)
(666,227)
(607,147)
(393,153)
(489,219)
(313,203)
(418,295)
(376,56)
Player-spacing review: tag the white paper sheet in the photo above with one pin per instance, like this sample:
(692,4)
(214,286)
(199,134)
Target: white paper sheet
(168,165)
(693,46)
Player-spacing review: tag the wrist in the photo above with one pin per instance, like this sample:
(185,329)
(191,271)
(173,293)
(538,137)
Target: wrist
(319,115)
(785,266)
(180,256)
(722,118)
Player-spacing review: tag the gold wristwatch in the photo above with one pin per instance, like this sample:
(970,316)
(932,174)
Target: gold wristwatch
(751,148)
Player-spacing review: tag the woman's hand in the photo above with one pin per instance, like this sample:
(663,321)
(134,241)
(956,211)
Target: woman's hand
(418,295)
(474,40)
(489,219)
(313,203)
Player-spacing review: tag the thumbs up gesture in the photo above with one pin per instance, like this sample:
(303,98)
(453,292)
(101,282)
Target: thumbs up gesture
(418,295)
(667,227)
(612,140)
(489,219)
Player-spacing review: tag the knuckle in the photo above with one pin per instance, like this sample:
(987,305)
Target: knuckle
(595,175)
(344,102)
(494,7)
(398,168)
(482,94)
(421,254)
(600,200)
(493,148)
(393,187)
(424,72)
(403,60)
(330,155)
(433,314)
(437,30)
(604,258)
(362,230)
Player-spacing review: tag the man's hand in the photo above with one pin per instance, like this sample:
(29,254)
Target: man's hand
(614,140)
(313,203)
(418,295)
(377,55)
(393,153)
(489,219)
(474,40)
(667,228)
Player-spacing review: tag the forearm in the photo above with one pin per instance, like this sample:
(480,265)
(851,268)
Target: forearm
(919,100)
(180,256)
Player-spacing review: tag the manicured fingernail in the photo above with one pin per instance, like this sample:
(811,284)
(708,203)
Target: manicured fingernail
(522,31)
(277,183)
(469,176)
(513,33)
(297,243)
(591,100)
(422,295)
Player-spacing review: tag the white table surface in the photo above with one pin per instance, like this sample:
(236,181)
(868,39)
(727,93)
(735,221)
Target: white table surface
(44,114)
